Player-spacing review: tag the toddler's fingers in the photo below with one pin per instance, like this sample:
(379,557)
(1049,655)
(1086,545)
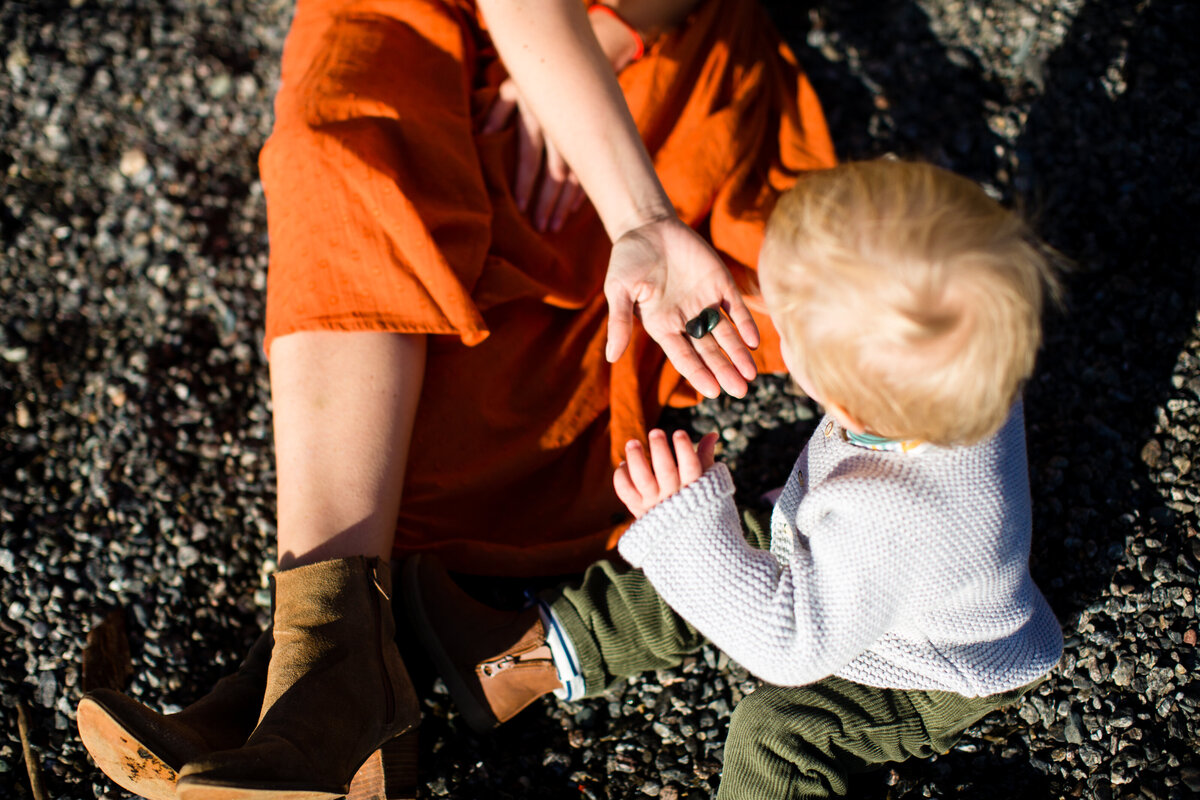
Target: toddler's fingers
(685,454)
(639,470)
(627,493)
(663,460)
(706,451)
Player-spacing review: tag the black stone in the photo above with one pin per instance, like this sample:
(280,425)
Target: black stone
(703,323)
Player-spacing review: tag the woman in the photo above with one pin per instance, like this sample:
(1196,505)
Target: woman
(453,350)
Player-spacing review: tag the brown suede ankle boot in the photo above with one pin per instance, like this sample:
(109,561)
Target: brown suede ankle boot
(495,663)
(336,691)
(142,750)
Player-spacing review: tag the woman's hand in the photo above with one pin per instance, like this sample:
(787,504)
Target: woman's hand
(643,483)
(560,192)
(667,274)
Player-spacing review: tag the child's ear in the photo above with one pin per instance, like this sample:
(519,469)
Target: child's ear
(845,418)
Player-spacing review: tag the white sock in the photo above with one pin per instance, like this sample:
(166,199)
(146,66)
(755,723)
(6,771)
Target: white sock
(566,662)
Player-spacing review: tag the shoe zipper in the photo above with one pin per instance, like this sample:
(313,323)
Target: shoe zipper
(490,668)
(507,661)
(387,683)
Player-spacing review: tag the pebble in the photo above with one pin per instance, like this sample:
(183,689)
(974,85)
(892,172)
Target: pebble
(1123,674)
(1190,776)
(133,161)
(47,689)
(1073,730)
(703,323)
(188,556)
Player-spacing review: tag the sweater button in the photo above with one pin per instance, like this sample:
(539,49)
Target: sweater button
(829,428)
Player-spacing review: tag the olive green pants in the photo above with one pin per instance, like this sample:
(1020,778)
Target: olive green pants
(784,741)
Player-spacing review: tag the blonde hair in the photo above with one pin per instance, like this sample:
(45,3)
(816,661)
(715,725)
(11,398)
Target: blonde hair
(907,296)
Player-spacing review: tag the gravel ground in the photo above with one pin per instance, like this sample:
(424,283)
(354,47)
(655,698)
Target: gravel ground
(135,457)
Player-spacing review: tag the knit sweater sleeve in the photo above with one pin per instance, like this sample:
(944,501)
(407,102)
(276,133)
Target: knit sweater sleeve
(789,622)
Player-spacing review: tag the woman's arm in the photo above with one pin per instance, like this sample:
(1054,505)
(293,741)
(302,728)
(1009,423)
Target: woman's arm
(549,49)
(660,268)
(558,193)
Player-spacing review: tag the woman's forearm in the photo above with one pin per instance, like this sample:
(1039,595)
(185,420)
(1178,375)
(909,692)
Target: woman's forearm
(660,269)
(549,49)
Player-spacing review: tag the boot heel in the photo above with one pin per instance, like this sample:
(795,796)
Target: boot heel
(390,773)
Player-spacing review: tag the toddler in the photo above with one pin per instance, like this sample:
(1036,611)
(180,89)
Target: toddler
(887,602)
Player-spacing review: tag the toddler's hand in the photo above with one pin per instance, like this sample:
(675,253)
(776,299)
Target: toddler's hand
(643,483)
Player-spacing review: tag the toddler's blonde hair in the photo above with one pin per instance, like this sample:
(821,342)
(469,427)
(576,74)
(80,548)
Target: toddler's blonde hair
(907,296)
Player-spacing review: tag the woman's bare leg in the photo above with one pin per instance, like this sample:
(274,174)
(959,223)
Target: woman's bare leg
(344,405)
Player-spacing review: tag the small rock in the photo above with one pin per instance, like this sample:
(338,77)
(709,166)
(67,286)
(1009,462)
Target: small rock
(623,763)
(1073,730)
(188,556)
(1191,778)
(1091,756)
(219,86)
(133,161)
(1123,673)
(47,688)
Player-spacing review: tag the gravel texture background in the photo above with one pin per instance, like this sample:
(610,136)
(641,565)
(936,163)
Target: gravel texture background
(135,452)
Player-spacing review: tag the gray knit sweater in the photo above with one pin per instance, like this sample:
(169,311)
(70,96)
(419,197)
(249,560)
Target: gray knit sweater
(891,569)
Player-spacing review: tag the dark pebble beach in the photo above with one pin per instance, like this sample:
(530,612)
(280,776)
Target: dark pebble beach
(136,467)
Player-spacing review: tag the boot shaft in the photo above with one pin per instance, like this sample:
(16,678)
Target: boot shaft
(324,613)
(336,689)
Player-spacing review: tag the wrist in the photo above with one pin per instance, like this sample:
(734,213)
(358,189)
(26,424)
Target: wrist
(646,217)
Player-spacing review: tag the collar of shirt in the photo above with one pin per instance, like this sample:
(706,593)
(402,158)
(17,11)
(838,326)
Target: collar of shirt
(872,442)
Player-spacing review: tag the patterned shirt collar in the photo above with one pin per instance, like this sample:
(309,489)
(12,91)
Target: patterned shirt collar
(872,442)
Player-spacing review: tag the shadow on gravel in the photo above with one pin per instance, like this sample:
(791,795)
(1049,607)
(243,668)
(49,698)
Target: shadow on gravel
(890,86)
(1106,164)
(1106,161)
(1109,162)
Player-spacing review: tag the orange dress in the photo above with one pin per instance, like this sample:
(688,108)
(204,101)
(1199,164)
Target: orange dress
(389,211)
